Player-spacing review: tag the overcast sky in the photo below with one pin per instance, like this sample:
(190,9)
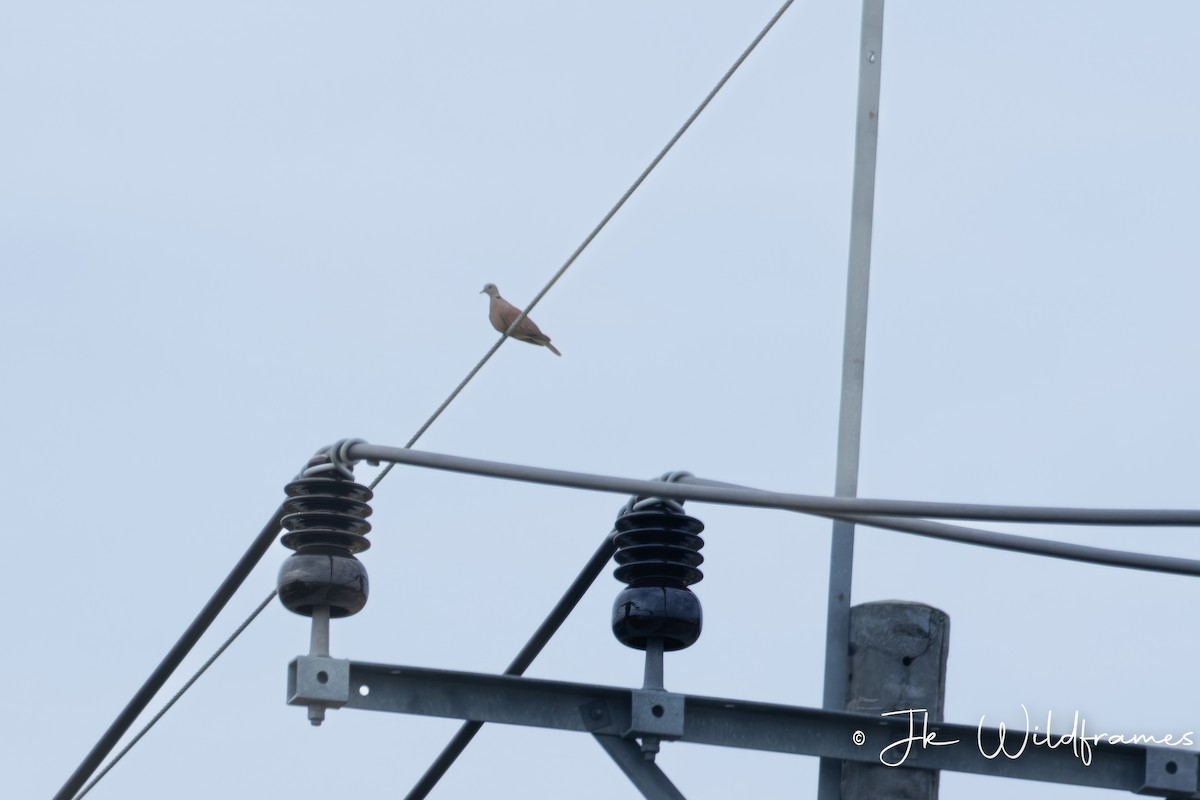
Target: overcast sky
(231,233)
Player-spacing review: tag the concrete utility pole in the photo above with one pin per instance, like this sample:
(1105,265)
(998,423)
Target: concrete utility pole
(898,656)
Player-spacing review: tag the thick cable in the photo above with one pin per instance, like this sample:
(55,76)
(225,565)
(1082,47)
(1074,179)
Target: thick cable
(612,212)
(688,488)
(137,704)
(1051,548)
(167,706)
(889,514)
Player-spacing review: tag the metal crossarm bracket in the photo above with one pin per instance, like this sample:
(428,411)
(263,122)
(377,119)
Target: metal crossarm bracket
(1168,775)
(904,739)
(656,713)
(318,681)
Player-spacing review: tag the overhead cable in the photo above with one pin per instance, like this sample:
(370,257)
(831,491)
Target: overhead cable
(707,491)
(889,514)
(587,240)
(167,706)
(137,704)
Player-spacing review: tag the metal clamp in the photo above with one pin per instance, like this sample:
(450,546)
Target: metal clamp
(319,682)
(339,459)
(656,713)
(1169,772)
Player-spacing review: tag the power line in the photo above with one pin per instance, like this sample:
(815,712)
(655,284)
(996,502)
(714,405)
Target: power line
(707,491)
(1087,554)
(171,662)
(889,514)
(467,732)
(187,640)
(596,230)
(167,706)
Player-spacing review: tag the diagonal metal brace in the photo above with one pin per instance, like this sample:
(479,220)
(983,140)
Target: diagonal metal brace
(651,781)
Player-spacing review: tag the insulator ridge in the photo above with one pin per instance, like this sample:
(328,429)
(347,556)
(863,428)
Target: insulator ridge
(658,548)
(326,511)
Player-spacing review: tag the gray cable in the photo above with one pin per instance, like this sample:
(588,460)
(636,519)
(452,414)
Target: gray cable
(888,514)
(595,232)
(688,488)
(1147,562)
(344,447)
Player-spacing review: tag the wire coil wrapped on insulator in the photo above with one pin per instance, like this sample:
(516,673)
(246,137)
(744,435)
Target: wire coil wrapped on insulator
(658,556)
(326,518)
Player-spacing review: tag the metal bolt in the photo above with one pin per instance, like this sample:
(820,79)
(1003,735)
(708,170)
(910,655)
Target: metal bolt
(650,747)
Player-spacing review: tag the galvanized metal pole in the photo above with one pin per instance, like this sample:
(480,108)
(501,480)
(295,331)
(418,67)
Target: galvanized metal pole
(862,205)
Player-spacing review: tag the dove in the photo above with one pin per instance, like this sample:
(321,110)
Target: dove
(502,313)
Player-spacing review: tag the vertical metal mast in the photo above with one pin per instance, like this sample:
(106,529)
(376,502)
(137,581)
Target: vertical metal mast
(862,204)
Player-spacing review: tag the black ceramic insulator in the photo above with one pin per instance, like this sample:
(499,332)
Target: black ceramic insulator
(326,518)
(658,556)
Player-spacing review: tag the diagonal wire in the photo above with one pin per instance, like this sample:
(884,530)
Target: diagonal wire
(467,732)
(549,625)
(167,707)
(174,657)
(612,212)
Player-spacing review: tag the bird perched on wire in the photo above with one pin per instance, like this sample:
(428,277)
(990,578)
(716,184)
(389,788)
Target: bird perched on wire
(502,313)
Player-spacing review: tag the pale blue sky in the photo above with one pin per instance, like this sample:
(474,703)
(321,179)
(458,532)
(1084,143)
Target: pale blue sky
(231,233)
